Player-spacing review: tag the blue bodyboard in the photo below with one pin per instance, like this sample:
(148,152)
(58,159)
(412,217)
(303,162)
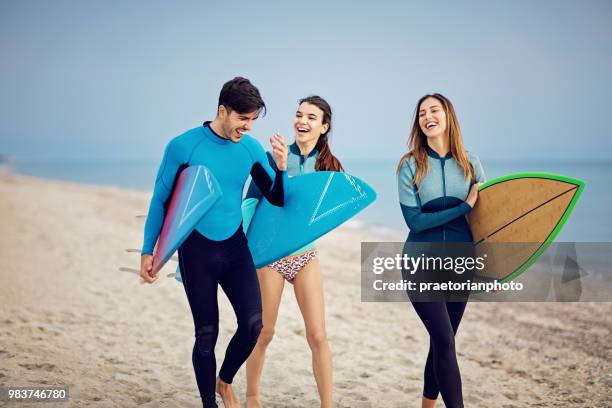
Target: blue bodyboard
(316,204)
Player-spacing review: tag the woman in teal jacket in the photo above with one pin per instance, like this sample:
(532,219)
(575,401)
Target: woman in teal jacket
(438,185)
(310,152)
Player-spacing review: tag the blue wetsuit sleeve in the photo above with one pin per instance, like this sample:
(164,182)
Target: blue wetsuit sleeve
(271,183)
(410,204)
(166,175)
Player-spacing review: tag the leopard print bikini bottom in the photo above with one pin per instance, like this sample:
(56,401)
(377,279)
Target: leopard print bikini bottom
(291,265)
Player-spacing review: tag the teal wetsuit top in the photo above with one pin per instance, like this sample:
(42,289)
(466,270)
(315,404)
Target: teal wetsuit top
(436,212)
(296,164)
(231,163)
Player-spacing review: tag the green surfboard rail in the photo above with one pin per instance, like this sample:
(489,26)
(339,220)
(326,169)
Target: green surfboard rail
(551,237)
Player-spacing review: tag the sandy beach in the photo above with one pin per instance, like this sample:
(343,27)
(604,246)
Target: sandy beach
(70,317)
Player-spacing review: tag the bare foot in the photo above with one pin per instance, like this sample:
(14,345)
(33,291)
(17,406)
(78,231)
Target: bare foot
(253,402)
(230,400)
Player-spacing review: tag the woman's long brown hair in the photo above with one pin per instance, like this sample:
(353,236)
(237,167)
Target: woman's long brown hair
(417,142)
(326,160)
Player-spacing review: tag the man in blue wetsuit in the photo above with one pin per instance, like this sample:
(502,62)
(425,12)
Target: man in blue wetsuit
(216,252)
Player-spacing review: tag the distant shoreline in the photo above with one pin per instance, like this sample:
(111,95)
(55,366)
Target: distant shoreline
(588,223)
(381,231)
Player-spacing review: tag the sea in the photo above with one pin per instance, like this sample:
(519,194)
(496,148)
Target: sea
(591,220)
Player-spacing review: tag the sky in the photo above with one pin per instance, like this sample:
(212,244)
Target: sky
(116,80)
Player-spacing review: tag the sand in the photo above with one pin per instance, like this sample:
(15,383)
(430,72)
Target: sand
(70,317)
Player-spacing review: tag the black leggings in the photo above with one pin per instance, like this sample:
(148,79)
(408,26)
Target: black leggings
(441,313)
(441,319)
(204,265)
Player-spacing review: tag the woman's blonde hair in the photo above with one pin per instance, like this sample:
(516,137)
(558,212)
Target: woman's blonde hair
(417,142)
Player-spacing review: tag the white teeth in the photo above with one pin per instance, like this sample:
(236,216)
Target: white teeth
(430,125)
(302,130)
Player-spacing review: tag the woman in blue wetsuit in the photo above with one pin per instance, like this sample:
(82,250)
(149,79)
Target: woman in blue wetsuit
(216,252)
(310,152)
(438,185)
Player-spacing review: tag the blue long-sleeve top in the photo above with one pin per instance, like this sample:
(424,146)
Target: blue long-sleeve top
(230,163)
(436,212)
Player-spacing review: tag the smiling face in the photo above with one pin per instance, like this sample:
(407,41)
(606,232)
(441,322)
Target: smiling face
(234,124)
(308,123)
(432,118)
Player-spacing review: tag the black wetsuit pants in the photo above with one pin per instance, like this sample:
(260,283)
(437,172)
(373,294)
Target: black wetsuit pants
(441,319)
(204,264)
(441,313)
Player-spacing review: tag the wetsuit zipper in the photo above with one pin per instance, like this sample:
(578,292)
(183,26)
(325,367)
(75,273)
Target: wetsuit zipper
(442,161)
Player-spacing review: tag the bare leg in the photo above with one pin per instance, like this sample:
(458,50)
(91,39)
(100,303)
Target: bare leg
(308,287)
(428,403)
(271,284)
(230,400)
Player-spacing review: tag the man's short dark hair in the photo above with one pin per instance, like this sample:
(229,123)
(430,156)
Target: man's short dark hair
(240,95)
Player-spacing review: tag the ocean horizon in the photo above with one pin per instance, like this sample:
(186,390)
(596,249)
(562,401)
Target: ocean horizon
(589,221)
